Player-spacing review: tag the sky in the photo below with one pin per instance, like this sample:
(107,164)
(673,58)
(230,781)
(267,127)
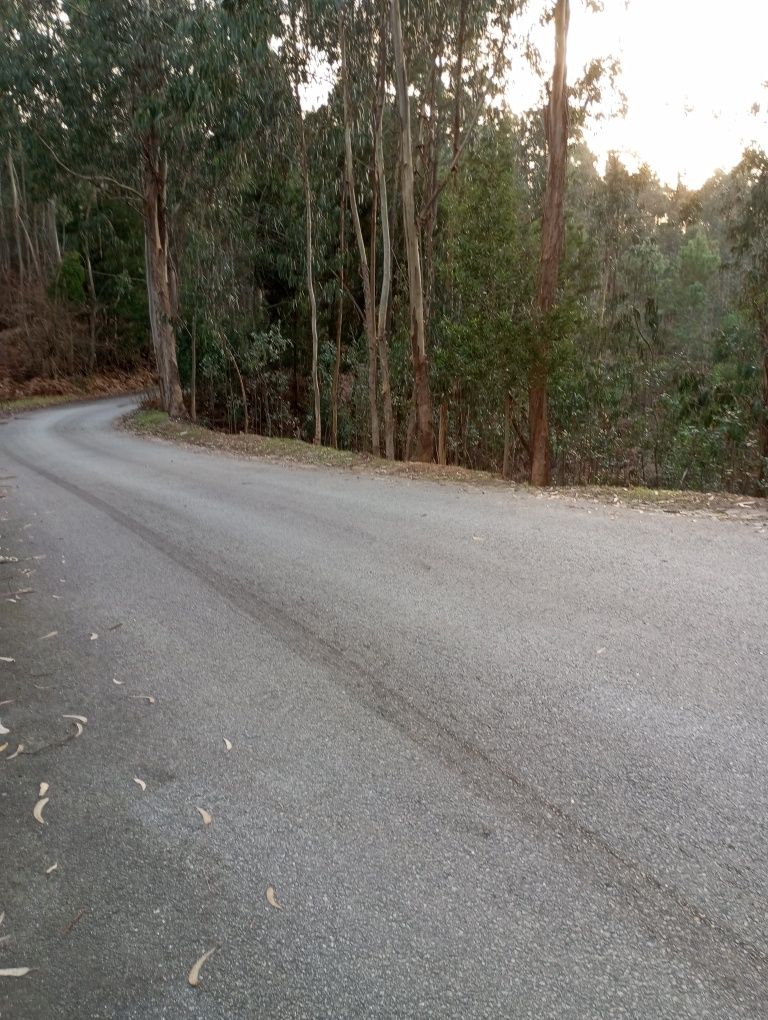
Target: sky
(691,71)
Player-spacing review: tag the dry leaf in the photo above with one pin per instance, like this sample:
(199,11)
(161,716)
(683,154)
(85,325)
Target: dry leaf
(44,788)
(38,809)
(17,752)
(2,917)
(79,729)
(52,868)
(228,744)
(272,899)
(79,718)
(6,658)
(3,730)
(477,538)
(147,697)
(3,746)
(45,637)
(94,635)
(118,682)
(14,971)
(207,819)
(55,596)
(8,701)
(194,975)
(140,782)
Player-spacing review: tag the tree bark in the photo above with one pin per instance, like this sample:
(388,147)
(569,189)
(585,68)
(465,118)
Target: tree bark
(92,318)
(339,326)
(442,435)
(369,309)
(157,262)
(54,250)
(764,422)
(193,373)
(425,436)
(505,463)
(552,244)
(386,288)
(16,216)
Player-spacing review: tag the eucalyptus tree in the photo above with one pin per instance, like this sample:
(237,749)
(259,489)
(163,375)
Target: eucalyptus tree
(448,63)
(750,239)
(363,68)
(552,243)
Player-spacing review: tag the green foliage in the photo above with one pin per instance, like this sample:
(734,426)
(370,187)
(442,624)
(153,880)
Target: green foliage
(69,282)
(657,341)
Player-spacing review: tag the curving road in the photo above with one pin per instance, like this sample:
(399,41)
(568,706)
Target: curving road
(497,756)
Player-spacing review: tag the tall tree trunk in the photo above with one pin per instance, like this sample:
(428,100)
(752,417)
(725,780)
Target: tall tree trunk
(369,310)
(764,422)
(94,310)
(16,216)
(386,288)
(425,436)
(505,463)
(442,434)
(552,244)
(309,255)
(339,325)
(52,237)
(193,373)
(157,262)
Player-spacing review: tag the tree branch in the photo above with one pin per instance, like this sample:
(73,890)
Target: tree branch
(92,178)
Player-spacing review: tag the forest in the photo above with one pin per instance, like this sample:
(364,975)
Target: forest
(325,221)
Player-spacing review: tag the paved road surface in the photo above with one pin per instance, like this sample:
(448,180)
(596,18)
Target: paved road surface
(498,756)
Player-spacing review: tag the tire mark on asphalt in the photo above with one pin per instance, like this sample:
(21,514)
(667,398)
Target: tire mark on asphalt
(665,910)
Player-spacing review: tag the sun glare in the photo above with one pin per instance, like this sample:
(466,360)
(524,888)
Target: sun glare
(691,71)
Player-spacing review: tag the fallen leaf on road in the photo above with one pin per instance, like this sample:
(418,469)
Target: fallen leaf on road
(14,971)
(477,538)
(118,682)
(2,918)
(194,975)
(52,868)
(37,811)
(207,819)
(44,788)
(94,635)
(11,600)
(55,596)
(228,744)
(147,697)
(8,701)
(78,718)
(6,658)
(140,782)
(68,927)
(3,730)
(117,626)
(600,651)
(45,637)
(79,729)
(3,746)
(272,899)
(17,752)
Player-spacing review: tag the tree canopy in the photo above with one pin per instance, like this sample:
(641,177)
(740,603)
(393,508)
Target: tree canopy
(323,220)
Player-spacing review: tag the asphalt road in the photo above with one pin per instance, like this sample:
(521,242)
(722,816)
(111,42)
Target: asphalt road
(497,756)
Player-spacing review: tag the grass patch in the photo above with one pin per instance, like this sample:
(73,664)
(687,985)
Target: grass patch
(156,423)
(30,403)
(150,418)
